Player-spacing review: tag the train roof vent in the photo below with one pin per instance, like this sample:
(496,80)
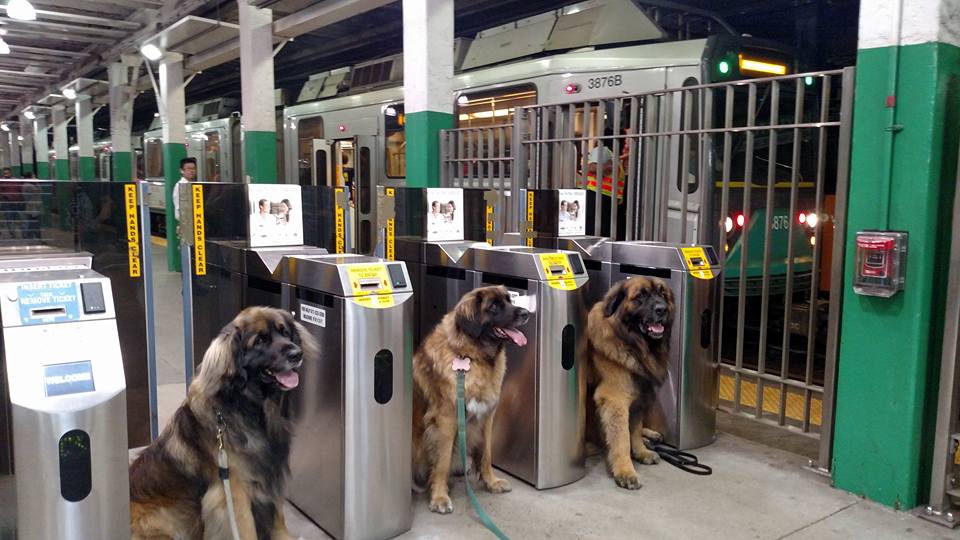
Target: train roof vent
(602,22)
(507,42)
(377,73)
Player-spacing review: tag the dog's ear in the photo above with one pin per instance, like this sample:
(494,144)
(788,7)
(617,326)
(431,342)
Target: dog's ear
(613,299)
(468,313)
(311,351)
(220,360)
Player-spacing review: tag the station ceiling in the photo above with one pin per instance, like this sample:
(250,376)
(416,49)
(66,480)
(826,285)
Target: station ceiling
(71,39)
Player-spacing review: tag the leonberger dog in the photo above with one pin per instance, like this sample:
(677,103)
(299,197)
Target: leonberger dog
(176,489)
(476,332)
(628,351)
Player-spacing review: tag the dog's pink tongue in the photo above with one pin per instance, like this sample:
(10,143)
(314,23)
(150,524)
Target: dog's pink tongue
(516,336)
(288,380)
(656,328)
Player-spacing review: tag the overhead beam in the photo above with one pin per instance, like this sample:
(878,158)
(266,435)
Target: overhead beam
(57,36)
(323,14)
(27,74)
(85,19)
(126,4)
(65,27)
(45,51)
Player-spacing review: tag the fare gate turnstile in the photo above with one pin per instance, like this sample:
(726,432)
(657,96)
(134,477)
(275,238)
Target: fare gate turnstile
(539,425)
(64,372)
(237,277)
(350,457)
(688,399)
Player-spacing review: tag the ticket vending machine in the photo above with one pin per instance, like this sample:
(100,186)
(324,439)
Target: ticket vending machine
(67,396)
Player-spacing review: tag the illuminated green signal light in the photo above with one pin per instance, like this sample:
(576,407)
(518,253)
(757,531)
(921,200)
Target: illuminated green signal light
(724,67)
(808,80)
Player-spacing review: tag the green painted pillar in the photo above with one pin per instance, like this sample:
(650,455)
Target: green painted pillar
(260,156)
(27,168)
(86,166)
(123,167)
(16,170)
(61,165)
(172,154)
(43,171)
(890,347)
(41,145)
(63,169)
(427,85)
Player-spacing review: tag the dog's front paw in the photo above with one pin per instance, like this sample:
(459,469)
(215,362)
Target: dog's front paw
(441,504)
(651,435)
(627,480)
(497,485)
(647,457)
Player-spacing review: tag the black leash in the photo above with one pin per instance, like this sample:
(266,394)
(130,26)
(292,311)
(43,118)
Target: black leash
(684,461)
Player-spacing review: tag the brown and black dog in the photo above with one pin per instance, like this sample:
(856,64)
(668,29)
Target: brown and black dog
(477,329)
(628,351)
(175,490)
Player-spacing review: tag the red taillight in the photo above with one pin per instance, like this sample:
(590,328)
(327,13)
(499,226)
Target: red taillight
(801,218)
(572,88)
(741,220)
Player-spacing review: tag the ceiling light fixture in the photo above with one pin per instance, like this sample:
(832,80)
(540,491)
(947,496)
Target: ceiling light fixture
(19,137)
(4,48)
(30,115)
(69,93)
(4,126)
(151,52)
(21,10)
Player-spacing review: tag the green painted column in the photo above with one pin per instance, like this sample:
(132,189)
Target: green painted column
(172,154)
(86,167)
(63,169)
(890,347)
(260,156)
(427,85)
(123,166)
(423,146)
(41,145)
(16,170)
(27,168)
(43,171)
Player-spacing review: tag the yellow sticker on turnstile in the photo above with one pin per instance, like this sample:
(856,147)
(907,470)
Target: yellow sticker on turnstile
(199,234)
(529,218)
(133,229)
(697,262)
(367,279)
(556,267)
(340,228)
(376,301)
(391,233)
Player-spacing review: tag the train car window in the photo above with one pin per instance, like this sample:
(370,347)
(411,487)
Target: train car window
(308,129)
(321,159)
(493,108)
(394,122)
(211,156)
(153,148)
(691,100)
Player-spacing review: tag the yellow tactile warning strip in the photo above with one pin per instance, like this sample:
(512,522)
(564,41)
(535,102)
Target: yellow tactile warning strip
(771,399)
(157,241)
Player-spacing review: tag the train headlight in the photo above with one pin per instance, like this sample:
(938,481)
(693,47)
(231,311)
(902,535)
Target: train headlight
(741,220)
(812,220)
(728,224)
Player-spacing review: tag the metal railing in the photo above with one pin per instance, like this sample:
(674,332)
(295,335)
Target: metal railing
(944,505)
(729,164)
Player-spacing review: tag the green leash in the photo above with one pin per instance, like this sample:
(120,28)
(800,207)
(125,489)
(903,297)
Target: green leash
(462,437)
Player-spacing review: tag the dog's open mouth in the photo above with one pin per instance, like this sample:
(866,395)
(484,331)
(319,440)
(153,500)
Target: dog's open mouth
(655,330)
(512,334)
(288,380)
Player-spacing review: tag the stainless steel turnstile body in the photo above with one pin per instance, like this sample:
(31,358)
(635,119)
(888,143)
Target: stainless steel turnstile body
(64,372)
(539,424)
(688,399)
(351,456)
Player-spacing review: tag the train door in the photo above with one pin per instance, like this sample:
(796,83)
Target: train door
(104,166)
(195,151)
(348,163)
(684,168)
(321,166)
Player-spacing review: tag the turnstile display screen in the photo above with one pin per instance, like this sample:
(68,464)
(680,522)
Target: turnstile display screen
(67,379)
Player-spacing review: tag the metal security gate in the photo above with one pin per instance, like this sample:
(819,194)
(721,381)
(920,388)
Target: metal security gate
(944,506)
(758,168)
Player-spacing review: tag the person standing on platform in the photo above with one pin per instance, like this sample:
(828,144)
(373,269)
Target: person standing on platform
(188,173)
(600,163)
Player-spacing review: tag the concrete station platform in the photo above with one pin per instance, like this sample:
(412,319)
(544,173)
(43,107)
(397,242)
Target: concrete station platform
(756,492)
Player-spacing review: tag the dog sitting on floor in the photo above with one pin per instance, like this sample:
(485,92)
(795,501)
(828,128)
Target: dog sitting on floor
(475,335)
(176,489)
(628,353)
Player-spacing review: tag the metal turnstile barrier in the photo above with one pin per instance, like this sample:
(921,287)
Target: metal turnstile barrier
(351,456)
(539,426)
(67,398)
(687,415)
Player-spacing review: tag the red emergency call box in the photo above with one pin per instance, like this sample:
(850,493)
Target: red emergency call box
(881,263)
